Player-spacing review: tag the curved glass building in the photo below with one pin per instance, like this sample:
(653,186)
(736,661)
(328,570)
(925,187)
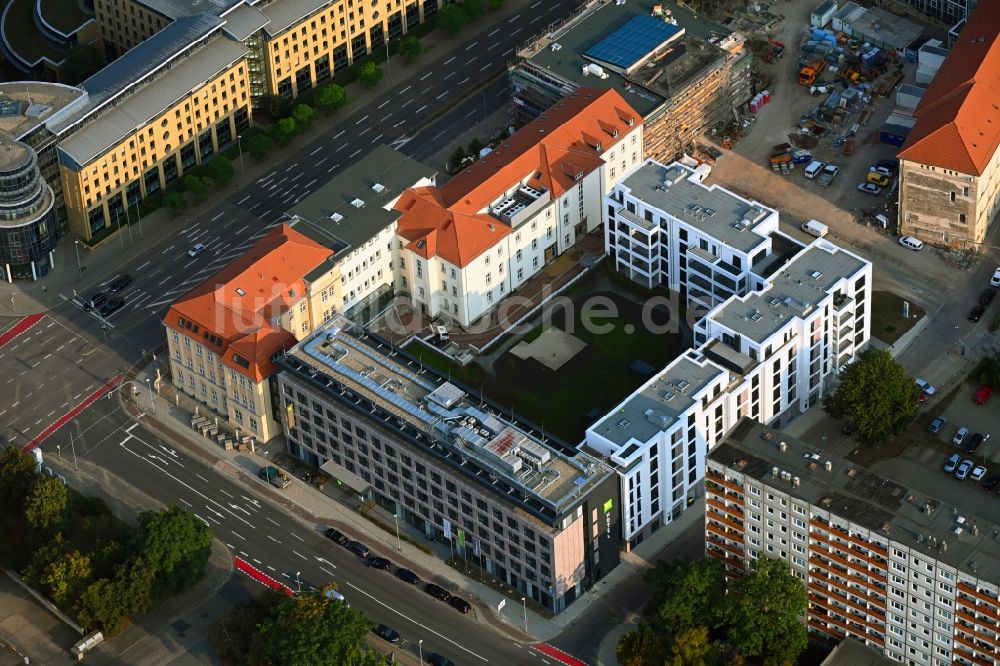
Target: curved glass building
(27,214)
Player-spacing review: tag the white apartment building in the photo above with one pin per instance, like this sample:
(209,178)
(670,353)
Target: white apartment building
(766,355)
(467,245)
(893,567)
(666,228)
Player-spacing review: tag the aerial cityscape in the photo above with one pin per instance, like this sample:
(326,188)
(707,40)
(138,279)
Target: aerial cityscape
(465,332)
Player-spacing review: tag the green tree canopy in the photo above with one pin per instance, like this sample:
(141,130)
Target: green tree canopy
(175,201)
(220,169)
(370,74)
(691,648)
(303,115)
(496,4)
(64,578)
(687,594)
(101,606)
(643,646)
(46,503)
(332,97)
(987,371)
(410,47)
(877,395)
(285,130)
(451,19)
(175,544)
(277,106)
(474,9)
(259,145)
(764,617)
(194,184)
(17,475)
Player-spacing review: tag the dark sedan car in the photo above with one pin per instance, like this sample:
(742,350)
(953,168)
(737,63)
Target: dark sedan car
(437,592)
(991,481)
(986,298)
(358,548)
(408,576)
(95,301)
(111,306)
(977,313)
(379,563)
(119,283)
(434,659)
(336,536)
(460,604)
(974,442)
(385,633)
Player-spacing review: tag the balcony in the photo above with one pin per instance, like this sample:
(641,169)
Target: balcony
(731,510)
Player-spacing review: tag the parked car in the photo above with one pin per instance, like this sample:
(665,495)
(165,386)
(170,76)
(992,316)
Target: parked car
(995,280)
(991,481)
(434,659)
(963,469)
(960,436)
(407,576)
(937,424)
(986,298)
(890,165)
(974,442)
(111,306)
(952,463)
(95,301)
(877,178)
(882,171)
(358,548)
(978,472)
(196,250)
(379,563)
(336,536)
(119,283)
(437,591)
(460,604)
(927,391)
(869,188)
(982,395)
(387,634)
(911,243)
(977,312)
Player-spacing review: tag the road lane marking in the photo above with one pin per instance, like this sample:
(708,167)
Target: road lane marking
(361,119)
(316,151)
(139,268)
(426,75)
(408,87)
(301,555)
(272,539)
(420,109)
(495,31)
(471,46)
(444,63)
(383,104)
(218,216)
(201,477)
(298,537)
(241,201)
(338,134)
(239,535)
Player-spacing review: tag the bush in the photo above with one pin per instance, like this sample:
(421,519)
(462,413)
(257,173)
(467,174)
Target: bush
(410,48)
(331,97)
(220,170)
(194,184)
(496,4)
(277,106)
(259,145)
(370,74)
(175,201)
(152,202)
(451,19)
(303,116)
(285,130)
(474,9)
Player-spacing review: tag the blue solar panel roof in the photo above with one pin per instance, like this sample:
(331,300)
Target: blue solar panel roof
(630,43)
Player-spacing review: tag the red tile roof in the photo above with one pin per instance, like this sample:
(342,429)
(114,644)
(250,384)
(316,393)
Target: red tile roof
(552,151)
(958,119)
(231,312)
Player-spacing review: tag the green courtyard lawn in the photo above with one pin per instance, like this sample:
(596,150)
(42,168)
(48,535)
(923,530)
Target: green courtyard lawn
(888,324)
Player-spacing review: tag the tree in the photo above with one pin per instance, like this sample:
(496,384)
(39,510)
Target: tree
(46,503)
(410,48)
(474,147)
(175,544)
(370,74)
(303,115)
(135,580)
(194,184)
(451,19)
(17,475)
(101,607)
(641,647)
(277,106)
(691,648)
(66,576)
(496,4)
(175,201)
(456,157)
(220,169)
(987,371)
(687,594)
(474,9)
(259,145)
(285,129)
(877,395)
(764,615)
(332,97)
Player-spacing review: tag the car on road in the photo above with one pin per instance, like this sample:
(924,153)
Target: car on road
(460,604)
(973,443)
(358,548)
(437,591)
(408,576)
(336,536)
(386,633)
(977,313)
(111,306)
(869,188)
(378,563)
(434,659)
(95,301)
(937,424)
(963,469)
(992,481)
(196,250)
(982,395)
(986,298)
(978,472)
(960,436)
(119,283)
(995,280)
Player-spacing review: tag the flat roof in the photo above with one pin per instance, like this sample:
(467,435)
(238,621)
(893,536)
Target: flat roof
(244,21)
(851,652)
(283,14)
(710,208)
(655,406)
(28,104)
(865,498)
(176,9)
(795,291)
(629,44)
(330,215)
(474,439)
(93,138)
(878,25)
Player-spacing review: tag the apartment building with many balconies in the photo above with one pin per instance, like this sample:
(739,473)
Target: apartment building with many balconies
(766,355)
(466,246)
(354,215)
(223,335)
(533,512)
(666,228)
(891,566)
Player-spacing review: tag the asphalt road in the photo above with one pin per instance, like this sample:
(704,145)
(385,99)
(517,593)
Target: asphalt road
(262,534)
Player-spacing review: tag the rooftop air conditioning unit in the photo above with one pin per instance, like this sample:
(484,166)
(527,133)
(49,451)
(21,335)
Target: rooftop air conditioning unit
(378,187)
(358,203)
(336,217)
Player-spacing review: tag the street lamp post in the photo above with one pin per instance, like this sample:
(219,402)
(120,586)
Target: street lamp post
(388,67)
(149,390)
(73,449)
(420,646)
(239,146)
(484,108)
(298,581)
(138,217)
(395,517)
(79,266)
(524,605)
(59,451)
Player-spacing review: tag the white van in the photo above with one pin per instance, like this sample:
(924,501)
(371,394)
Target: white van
(813,168)
(815,228)
(911,243)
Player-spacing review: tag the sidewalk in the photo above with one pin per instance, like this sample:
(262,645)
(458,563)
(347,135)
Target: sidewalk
(318,509)
(102,263)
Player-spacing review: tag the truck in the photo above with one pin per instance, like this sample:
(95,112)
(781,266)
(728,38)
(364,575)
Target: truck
(811,71)
(801,156)
(274,476)
(828,173)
